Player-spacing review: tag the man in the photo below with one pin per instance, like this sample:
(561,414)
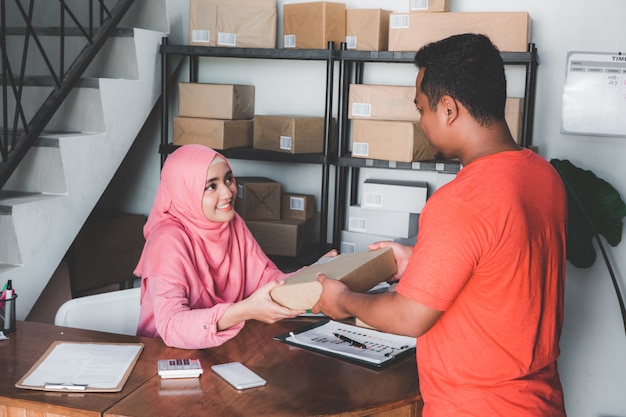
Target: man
(482,289)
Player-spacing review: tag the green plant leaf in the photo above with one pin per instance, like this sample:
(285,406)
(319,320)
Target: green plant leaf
(594,206)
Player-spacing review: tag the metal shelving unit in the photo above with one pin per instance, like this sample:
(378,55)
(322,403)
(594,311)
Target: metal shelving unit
(336,143)
(351,69)
(325,159)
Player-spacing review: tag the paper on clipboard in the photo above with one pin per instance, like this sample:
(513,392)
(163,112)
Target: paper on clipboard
(82,366)
(379,348)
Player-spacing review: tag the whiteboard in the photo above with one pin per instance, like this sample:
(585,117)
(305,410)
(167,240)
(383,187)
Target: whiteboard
(594,96)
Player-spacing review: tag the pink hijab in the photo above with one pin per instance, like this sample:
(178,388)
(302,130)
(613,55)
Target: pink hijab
(197,262)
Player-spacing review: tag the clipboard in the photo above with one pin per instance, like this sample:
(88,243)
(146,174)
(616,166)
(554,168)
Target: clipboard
(82,367)
(368,347)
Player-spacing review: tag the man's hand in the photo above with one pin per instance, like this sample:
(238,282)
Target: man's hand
(330,302)
(401,253)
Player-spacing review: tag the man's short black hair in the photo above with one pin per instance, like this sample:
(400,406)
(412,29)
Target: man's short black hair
(468,68)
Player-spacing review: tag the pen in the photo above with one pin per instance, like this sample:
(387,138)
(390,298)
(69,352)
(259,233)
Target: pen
(352,342)
(8,294)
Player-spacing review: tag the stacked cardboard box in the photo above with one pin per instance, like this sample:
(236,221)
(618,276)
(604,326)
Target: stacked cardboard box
(216,115)
(282,223)
(367,29)
(389,210)
(233,23)
(385,124)
(509,31)
(289,134)
(312,25)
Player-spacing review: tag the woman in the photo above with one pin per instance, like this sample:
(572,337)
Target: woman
(202,272)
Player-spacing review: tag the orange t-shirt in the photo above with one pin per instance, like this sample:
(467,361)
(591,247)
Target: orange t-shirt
(491,255)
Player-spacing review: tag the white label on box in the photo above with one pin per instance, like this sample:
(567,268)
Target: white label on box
(362,109)
(347,247)
(296,203)
(439,166)
(239,191)
(289,41)
(351,42)
(360,149)
(419,4)
(285,143)
(399,21)
(227,39)
(198,35)
(357,224)
(374,200)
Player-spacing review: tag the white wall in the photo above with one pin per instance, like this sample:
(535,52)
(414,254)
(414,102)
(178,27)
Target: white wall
(593,359)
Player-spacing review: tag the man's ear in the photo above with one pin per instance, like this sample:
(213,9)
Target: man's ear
(449,107)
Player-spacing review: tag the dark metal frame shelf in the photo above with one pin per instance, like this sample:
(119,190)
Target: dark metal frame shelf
(336,152)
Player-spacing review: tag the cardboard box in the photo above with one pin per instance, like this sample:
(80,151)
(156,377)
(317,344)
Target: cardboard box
(390,141)
(214,133)
(216,101)
(360,271)
(429,5)
(351,242)
(513,111)
(233,23)
(382,102)
(382,222)
(367,29)
(258,198)
(297,206)
(406,196)
(312,25)
(509,31)
(284,237)
(289,134)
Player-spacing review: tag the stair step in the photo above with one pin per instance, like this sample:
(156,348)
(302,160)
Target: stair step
(49,81)
(10,198)
(41,170)
(56,31)
(81,111)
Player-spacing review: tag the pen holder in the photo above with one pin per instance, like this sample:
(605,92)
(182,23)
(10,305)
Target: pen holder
(7,314)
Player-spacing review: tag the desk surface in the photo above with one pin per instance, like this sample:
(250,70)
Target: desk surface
(299,382)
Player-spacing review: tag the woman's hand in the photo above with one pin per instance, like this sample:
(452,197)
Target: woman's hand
(262,308)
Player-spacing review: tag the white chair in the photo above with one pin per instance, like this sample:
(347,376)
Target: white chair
(113,312)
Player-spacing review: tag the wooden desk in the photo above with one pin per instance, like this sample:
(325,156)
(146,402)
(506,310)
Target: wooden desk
(30,341)
(300,382)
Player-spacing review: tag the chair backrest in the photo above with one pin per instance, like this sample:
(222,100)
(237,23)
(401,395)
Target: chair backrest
(113,312)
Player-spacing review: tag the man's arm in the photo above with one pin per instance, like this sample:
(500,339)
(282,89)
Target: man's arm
(390,312)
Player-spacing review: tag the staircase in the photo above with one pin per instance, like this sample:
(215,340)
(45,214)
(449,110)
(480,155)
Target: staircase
(46,200)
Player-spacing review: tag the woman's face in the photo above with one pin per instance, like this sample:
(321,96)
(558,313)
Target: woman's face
(218,202)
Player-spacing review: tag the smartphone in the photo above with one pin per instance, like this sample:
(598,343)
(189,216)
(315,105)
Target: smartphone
(238,375)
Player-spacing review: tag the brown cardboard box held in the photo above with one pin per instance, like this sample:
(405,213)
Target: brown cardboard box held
(390,141)
(289,134)
(382,102)
(216,101)
(258,198)
(429,6)
(214,133)
(367,29)
(233,23)
(284,237)
(509,31)
(297,206)
(360,271)
(312,25)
